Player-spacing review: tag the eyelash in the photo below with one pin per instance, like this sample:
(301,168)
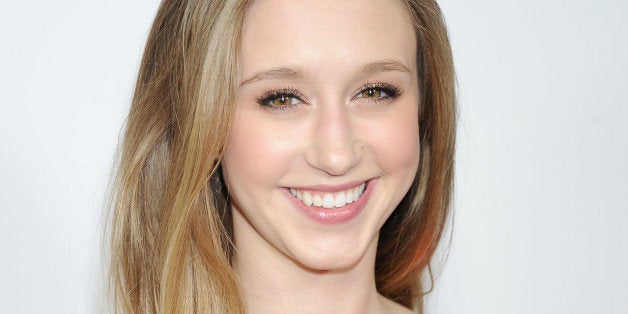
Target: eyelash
(390,90)
(271,95)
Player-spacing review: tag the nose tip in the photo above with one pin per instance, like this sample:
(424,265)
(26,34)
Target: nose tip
(334,148)
(336,160)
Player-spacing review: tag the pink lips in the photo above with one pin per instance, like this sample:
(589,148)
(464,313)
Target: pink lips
(333,215)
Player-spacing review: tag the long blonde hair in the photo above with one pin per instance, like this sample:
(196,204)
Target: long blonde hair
(171,231)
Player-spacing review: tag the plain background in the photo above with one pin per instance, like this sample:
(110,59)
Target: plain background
(541,221)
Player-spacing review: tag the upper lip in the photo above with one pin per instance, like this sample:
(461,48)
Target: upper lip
(330,188)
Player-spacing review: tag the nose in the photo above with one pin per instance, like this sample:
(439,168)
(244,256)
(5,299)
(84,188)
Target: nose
(333,148)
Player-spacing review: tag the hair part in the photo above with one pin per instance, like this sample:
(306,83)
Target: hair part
(171,229)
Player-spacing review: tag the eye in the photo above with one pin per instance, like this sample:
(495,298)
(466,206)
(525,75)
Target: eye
(378,92)
(373,92)
(281,99)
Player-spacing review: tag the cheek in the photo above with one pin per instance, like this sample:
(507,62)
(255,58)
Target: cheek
(395,142)
(256,154)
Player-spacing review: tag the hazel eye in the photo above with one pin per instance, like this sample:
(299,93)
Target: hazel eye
(283,100)
(373,93)
(378,92)
(280,99)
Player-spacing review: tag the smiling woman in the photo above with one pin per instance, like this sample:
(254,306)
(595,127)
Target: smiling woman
(285,156)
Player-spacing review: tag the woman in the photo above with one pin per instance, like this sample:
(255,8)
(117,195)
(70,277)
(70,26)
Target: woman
(285,156)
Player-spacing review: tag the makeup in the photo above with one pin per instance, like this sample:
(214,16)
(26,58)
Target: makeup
(324,212)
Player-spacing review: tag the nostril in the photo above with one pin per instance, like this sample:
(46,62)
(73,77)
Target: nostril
(336,161)
(333,147)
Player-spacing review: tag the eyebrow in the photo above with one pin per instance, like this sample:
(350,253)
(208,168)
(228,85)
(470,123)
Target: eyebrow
(274,73)
(385,65)
(293,73)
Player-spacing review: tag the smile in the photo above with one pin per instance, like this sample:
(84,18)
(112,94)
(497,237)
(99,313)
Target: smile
(329,199)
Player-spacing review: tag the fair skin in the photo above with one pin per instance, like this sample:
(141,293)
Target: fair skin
(328,104)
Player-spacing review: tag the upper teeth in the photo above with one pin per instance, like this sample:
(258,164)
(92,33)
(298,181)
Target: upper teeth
(329,200)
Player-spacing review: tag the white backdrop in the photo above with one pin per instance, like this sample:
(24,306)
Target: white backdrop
(542,171)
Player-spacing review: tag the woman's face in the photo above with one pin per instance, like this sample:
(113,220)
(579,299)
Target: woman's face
(325,141)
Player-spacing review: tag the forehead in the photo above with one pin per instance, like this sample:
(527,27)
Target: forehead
(320,34)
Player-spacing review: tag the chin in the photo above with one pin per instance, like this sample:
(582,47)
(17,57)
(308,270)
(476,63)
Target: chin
(322,257)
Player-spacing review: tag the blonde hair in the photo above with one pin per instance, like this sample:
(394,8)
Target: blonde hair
(171,230)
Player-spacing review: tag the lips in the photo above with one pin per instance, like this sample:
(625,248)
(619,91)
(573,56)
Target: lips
(329,199)
(325,204)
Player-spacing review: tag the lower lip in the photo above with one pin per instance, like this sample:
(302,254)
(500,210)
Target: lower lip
(334,215)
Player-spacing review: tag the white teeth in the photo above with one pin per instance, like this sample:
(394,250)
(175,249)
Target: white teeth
(349,197)
(340,200)
(329,200)
(307,198)
(317,200)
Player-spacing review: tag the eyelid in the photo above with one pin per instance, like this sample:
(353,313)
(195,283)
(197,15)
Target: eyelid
(282,91)
(274,93)
(389,88)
